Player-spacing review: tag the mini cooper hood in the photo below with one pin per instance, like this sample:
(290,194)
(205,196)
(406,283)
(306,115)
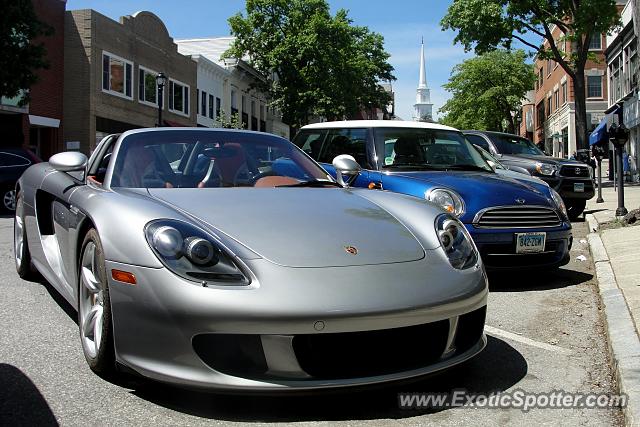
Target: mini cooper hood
(487,189)
(297,227)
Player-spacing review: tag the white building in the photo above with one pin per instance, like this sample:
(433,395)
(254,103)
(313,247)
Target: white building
(423,108)
(224,87)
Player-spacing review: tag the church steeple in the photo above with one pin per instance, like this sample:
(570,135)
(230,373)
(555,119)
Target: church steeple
(423,71)
(422,109)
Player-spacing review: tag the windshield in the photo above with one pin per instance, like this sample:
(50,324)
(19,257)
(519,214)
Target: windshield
(197,159)
(417,148)
(510,144)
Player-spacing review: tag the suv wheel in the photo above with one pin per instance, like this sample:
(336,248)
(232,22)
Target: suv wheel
(575,208)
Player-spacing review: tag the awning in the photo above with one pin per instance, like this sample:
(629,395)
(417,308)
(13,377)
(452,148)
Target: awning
(600,133)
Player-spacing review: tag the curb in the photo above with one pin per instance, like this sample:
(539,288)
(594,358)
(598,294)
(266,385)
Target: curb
(624,344)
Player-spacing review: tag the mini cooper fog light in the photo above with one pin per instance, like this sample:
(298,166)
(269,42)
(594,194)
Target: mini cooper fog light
(456,242)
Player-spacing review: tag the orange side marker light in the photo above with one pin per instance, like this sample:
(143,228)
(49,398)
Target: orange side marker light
(123,276)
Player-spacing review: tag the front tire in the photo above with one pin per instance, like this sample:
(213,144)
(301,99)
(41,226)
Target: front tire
(575,208)
(21,254)
(94,308)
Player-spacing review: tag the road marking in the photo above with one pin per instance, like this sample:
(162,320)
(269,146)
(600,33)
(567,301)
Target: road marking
(524,340)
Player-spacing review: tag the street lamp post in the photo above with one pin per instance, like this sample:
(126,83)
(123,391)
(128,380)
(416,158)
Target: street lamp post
(619,135)
(161,81)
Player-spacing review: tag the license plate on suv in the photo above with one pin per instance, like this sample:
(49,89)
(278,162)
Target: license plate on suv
(530,242)
(578,187)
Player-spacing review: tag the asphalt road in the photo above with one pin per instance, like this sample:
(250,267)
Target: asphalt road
(545,333)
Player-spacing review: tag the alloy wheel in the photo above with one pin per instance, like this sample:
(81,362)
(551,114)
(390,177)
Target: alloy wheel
(9,200)
(91,301)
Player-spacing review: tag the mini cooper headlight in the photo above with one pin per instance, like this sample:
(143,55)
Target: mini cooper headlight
(192,254)
(545,169)
(559,202)
(456,242)
(449,200)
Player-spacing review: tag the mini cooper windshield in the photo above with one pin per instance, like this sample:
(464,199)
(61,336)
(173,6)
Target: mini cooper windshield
(195,159)
(417,148)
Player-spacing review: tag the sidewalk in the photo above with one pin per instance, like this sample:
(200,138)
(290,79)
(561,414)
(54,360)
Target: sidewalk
(616,255)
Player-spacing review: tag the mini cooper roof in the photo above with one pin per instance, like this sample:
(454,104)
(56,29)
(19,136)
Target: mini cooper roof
(377,124)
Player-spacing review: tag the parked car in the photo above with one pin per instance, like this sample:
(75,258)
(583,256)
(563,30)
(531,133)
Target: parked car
(515,222)
(13,161)
(230,260)
(572,179)
(499,168)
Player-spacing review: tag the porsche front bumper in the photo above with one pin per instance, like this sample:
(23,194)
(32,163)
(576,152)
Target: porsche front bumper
(299,328)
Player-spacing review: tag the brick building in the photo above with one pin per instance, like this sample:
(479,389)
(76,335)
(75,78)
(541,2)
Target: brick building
(553,125)
(110,83)
(39,124)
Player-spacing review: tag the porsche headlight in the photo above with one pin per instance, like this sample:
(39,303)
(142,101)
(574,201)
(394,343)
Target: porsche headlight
(456,242)
(449,200)
(559,202)
(545,169)
(192,254)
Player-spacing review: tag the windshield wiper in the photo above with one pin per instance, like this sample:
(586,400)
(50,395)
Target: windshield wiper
(313,183)
(467,168)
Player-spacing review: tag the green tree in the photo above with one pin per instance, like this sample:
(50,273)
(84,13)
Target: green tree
(315,64)
(485,25)
(21,57)
(487,89)
(230,122)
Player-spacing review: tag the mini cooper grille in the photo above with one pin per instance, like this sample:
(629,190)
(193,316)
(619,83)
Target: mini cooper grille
(575,171)
(518,217)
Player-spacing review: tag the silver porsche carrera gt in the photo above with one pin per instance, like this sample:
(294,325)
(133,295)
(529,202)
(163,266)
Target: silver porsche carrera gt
(230,260)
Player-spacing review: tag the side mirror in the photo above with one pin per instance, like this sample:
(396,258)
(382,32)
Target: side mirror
(347,169)
(69,161)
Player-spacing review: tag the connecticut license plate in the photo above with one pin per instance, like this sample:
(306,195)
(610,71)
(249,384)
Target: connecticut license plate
(578,187)
(530,242)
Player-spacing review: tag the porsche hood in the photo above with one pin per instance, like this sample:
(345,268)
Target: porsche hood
(295,227)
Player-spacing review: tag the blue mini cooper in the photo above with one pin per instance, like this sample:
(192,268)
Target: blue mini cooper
(516,221)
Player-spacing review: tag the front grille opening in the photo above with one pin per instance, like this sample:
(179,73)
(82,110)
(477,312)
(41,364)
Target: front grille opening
(371,353)
(470,329)
(234,354)
(519,217)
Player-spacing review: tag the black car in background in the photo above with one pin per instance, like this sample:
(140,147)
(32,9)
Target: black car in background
(13,161)
(571,178)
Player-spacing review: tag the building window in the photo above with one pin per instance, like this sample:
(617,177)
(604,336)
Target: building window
(549,66)
(178,97)
(549,110)
(540,114)
(203,104)
(564,93)
(595,42)
(117,75)
(147,87)
(198,97)
(218,107)
(234,102)
(594,87)
(556,99)
(211,106)
(245,115)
